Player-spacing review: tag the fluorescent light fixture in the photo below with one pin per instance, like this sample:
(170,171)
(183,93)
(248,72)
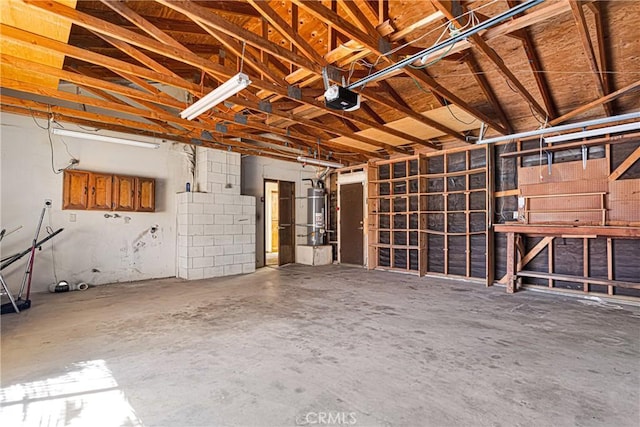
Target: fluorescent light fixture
(319,162)
(593,132)
(103,138)
(545,131)
(223,92)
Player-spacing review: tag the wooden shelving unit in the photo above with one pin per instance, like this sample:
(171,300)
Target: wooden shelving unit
(428,213)
(397,215)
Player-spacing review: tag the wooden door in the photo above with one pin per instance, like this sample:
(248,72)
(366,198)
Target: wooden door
(351,224)
(286,221)
(101,191)
(124,188)
(75,190)
(145,194)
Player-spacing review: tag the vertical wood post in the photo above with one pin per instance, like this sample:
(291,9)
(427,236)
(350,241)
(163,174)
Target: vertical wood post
(585,262)
(511,262)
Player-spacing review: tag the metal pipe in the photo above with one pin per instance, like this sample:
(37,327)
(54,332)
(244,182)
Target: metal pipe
(537,132)
(471,31)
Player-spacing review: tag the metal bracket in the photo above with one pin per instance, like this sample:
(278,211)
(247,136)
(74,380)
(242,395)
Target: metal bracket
(206,135)
(221,128)
(240,118)
(196,141)
(585,155)
(294,92)
(265,106)
(332,74)
(383,45)
(549,160)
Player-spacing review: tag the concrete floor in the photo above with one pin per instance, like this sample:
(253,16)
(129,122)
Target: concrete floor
(319,346)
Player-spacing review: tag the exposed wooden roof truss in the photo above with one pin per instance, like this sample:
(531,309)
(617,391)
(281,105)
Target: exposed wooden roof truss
(148,60)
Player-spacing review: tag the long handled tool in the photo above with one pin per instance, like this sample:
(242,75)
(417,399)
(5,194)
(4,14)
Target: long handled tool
(19,303)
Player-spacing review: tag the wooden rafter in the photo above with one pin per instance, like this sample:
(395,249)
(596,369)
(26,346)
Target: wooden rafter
(354,12)
(371,112)
(203,15)
(482,81)
(603,100)
(495,59)
(287,31)
(238,49)
(35,109)
(327,15)
(585,39)
(189,58)
(625,165)
(596,8)
(536,67)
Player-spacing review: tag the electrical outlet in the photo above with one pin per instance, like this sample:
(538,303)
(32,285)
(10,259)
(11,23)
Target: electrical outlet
(72,217)
(48,202)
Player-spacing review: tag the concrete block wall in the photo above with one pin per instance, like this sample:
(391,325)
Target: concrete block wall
(217,171)
(216,229)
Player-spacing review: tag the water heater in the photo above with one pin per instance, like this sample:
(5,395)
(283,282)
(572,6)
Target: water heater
(316,214)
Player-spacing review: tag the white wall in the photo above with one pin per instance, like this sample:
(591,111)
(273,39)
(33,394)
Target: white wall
(93,249)
(254,171)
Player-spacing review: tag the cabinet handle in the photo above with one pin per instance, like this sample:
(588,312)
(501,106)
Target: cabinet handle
(93,191)
(85,191)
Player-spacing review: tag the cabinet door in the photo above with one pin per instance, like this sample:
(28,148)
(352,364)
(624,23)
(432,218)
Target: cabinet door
(145,194)
(124,188)
(75,190)
(100,191)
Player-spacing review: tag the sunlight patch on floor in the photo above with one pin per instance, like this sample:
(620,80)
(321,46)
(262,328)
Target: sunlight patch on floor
(87,395)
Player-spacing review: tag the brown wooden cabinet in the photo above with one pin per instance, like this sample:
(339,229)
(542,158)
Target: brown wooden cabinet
(75,189)
(145,194)
(85,190)
(124,190)
(100,191)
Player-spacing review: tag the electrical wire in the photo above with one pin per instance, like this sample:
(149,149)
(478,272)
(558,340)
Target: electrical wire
(446,103)
(36,122)
(53,169)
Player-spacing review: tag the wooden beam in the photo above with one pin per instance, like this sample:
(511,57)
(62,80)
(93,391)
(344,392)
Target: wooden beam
(374,96)
(581,279)
(511,276)
(596,7)
(238,49)
(354,12)
(95,83)
(203,15)
(583,32)
(164,116)
(625,165)
(536,67)
(434,86)
(482,81)
(602,100)
(330,17)
(423,22)
(137,55)
(287,32)
(142,23)
(530,255)
(179,55)
(371,112)
(562,230)
(327,15)
(394,94)
(495,59)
